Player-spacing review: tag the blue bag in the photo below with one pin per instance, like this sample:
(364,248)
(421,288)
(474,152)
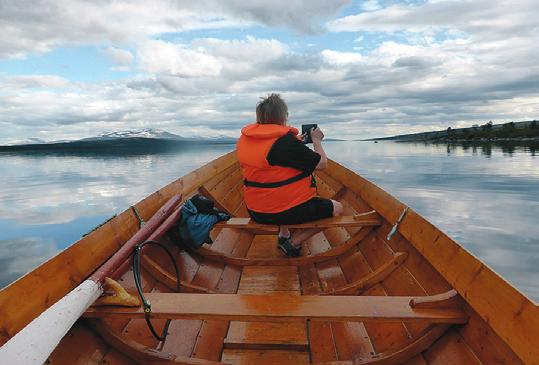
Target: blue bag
(197,219)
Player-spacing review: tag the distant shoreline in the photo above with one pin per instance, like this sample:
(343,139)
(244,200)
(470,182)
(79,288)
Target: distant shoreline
(155,144)
(526,131)
(124,145)
(481,140)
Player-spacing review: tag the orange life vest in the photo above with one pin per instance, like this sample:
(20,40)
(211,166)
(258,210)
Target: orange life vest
(267,188)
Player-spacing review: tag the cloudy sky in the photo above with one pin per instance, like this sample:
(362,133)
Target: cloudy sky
(71,69)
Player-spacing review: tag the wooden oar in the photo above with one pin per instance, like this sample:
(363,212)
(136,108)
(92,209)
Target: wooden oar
(43,334)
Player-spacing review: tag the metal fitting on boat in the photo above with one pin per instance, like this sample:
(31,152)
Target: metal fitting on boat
(396,225)
(141,222)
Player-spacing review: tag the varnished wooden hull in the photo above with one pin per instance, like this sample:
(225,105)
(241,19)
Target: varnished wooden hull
(501,325)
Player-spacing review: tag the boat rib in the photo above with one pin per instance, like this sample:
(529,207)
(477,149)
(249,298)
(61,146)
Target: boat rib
(371,279)
(140,353)
(295,261)
(163,276)
(400,356)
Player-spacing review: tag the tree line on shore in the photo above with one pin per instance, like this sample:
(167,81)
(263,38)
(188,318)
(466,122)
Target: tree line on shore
(527,130)
(489,131)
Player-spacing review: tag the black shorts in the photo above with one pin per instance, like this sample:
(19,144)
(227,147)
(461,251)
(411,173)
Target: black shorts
(312,210)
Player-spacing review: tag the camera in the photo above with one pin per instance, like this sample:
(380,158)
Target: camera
(306,129)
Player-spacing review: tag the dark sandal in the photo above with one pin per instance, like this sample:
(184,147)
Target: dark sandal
(288,248)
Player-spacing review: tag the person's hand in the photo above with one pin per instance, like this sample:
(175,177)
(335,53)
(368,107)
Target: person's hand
(316,134)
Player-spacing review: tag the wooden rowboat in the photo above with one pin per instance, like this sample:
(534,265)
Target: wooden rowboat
(380,285)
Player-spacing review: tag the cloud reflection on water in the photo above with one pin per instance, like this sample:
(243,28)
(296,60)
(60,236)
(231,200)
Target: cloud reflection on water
(57,189)
(19,254)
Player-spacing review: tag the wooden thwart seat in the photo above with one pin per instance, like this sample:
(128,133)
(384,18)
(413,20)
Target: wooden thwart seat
(284,308)
(359,220)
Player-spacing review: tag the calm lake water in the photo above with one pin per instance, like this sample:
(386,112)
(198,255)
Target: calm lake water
(485,197)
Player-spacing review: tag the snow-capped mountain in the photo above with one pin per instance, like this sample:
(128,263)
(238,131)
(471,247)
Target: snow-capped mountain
(141,140)
(152,134)
(140,133)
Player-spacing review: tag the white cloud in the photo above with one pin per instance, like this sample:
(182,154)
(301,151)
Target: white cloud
(162,57)
(30,26)
(26,82)
(341,58)
(233,61)
(120,57)
(243,50)
(474,16)
(302,15)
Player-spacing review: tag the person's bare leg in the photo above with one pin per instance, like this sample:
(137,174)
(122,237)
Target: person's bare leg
(337,208)
(284,232)
(300,235)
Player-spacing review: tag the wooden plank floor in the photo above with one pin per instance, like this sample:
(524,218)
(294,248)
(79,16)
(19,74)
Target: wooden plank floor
(266,342)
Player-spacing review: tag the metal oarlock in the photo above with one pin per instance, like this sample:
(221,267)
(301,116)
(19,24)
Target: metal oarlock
(141,222)
(396,225)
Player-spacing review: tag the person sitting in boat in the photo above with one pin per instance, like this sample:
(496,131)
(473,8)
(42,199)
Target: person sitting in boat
(277,167)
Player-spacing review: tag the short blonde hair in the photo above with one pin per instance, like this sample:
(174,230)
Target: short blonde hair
(272,110)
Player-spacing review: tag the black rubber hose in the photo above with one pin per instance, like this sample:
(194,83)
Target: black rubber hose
(138,283)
